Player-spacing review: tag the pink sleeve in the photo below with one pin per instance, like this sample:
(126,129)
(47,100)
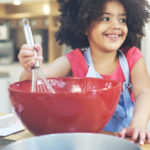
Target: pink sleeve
(133,55)
(78,63)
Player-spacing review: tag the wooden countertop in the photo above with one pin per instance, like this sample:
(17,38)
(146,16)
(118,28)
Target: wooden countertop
(26,134)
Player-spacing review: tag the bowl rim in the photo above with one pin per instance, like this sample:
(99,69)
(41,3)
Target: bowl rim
(118,84)
(73,137)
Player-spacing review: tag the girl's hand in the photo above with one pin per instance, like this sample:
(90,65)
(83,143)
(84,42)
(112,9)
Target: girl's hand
(26,56)
(137,134)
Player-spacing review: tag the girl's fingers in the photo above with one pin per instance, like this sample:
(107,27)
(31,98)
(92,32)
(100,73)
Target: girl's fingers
(128,131)
(29,62)
(27,57)
(142,137)
(38,49)
(39,58)
(26,60)
(25,46)
(25,53)
(28,66)
(148,136)
(135,135)
(38,46)
(123,133)
(28,51)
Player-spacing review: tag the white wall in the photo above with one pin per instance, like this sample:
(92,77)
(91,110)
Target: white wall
(145,46)
(14,71)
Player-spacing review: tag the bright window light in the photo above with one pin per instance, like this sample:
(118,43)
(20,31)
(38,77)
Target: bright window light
(16,2)
(46,9)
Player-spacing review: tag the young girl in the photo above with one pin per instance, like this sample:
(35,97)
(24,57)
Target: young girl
(104,35)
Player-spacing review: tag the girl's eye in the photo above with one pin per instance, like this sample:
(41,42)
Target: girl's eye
(123,20)
(105,19)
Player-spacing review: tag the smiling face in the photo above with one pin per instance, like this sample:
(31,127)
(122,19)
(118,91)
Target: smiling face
(109,32)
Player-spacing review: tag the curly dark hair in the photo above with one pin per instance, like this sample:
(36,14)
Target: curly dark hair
(77,15)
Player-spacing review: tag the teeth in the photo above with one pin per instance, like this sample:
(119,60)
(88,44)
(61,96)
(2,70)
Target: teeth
(113,36)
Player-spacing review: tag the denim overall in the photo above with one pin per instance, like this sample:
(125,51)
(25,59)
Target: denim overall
(124,110)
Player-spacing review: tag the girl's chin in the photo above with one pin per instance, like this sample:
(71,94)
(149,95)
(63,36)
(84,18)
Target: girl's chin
(114,46)
(110,50)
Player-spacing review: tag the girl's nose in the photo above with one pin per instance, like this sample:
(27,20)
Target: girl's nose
(115,23)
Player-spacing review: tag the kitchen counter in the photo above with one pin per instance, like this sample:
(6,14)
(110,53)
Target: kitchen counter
(26,134)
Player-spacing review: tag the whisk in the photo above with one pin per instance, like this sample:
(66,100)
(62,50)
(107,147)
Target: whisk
(39,82)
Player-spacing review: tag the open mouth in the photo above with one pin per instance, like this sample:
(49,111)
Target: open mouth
(113,36)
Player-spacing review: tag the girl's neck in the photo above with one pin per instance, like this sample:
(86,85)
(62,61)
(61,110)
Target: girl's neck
(104,62)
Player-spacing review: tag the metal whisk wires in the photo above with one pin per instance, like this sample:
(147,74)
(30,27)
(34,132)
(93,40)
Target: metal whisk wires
(39,82)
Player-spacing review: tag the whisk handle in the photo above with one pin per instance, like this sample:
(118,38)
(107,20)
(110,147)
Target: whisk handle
(28,32)
(29,37)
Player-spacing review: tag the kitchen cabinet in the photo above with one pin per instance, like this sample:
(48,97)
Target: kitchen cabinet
(38,21)
(55,50)
(40,30)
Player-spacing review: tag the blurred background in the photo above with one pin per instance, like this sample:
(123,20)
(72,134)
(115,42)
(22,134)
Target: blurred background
(43,16)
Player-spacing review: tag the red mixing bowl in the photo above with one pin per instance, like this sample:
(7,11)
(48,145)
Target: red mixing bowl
(78,105)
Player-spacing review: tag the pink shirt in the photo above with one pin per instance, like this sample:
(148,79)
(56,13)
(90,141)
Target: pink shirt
(80,67)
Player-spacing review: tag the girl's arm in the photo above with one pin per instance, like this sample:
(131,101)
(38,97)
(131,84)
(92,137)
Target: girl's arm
(59,68)
(141,88)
